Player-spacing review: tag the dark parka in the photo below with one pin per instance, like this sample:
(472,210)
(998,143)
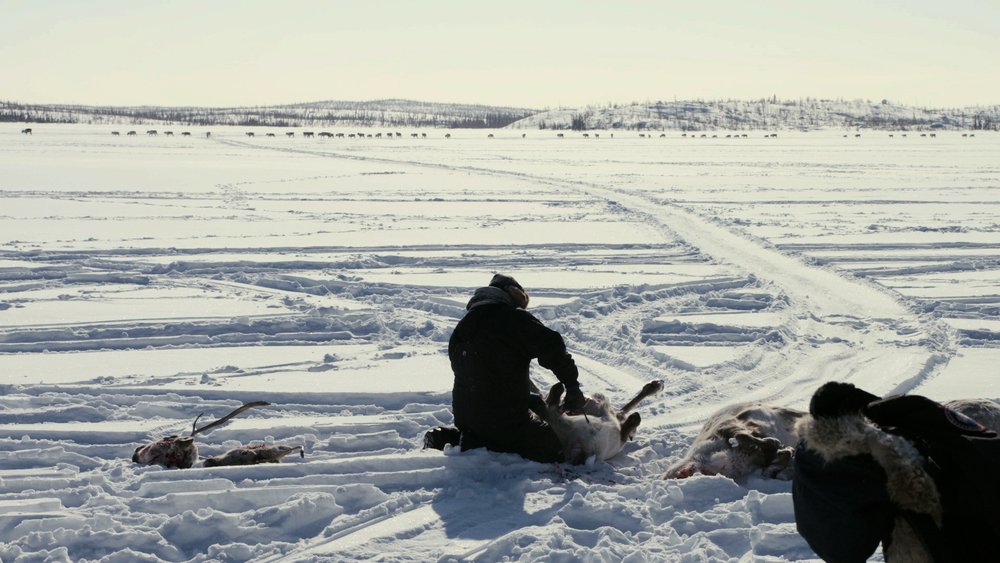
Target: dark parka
(904,472)
(490,352)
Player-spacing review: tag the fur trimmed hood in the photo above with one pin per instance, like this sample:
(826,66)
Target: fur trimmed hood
(910,487)
(904,471)
(909,484)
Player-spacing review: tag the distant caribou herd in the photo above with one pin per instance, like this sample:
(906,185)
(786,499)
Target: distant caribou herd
(392,135)
(397,134)
(155,132)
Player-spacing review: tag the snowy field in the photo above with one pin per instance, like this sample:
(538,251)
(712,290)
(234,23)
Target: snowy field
(145,280)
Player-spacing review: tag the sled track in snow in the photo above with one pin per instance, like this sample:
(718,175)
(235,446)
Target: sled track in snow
(848,329)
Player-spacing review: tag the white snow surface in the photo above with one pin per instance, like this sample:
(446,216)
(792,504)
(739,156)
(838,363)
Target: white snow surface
(146,280)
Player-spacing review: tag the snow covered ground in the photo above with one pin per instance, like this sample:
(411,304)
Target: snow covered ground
(145,280)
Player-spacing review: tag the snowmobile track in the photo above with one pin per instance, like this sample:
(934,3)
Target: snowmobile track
(847,327)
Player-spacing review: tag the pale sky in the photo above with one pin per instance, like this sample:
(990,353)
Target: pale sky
(535,54)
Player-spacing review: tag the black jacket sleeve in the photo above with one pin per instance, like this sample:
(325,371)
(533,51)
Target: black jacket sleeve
(548,346)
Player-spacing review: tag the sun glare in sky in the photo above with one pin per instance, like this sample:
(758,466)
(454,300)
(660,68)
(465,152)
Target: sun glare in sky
(535,54)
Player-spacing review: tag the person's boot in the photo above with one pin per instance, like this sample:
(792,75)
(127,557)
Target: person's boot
(440,436)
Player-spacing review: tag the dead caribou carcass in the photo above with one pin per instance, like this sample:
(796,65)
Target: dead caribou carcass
(598,432)
(740,440)
(252,455)
(181,451)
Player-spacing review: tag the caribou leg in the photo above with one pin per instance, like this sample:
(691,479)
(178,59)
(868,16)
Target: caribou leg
(555,394)
(629,426)
(651,388)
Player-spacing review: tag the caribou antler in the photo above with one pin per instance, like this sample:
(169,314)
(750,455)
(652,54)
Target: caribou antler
(225,419)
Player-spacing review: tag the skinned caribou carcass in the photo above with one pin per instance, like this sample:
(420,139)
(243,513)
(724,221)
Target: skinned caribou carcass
(254,454)
(181,451)
(598,432)
(740,440)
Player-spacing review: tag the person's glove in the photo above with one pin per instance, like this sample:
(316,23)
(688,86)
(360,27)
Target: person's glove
(574,400)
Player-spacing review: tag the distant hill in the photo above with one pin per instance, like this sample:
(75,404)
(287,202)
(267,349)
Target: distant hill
(762,114)
(377,113)
(734,115)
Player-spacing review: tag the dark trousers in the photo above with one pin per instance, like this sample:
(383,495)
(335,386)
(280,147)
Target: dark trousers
(531,439)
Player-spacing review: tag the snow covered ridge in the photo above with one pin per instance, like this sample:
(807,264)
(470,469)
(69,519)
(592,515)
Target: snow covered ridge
(147,280)
(721,115)
(763,114)
(377,113)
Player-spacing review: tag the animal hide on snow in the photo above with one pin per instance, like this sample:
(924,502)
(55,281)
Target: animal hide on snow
(252,455)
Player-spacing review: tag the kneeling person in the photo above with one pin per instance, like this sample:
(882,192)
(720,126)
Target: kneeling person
(490,352)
